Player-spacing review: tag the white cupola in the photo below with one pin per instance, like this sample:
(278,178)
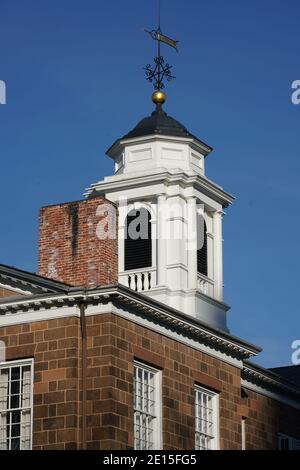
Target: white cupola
(162,192)
(158,141)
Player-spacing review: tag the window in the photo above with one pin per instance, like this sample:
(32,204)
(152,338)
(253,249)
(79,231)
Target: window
(16,405)
(147,419)
(138,241)
(288,443)
(206,414)
(202,264)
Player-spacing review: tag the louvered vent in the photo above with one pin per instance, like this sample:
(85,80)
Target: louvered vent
(138,242)
(202,252)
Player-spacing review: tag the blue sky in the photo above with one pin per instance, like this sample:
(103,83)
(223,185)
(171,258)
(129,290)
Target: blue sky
(73,70)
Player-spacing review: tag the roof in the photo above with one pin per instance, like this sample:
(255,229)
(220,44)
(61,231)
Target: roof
(143,307)
(159,123)
(29,282)
(291,373)
(258,374)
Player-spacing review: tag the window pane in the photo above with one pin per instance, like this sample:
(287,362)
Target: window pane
(15,407)
(205,425)
(145,415)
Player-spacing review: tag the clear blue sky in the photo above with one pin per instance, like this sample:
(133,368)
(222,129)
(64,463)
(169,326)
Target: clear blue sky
(73,70)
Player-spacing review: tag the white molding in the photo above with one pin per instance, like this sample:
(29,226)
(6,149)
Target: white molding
(102,309)
(63,312)
(167,177)
(15,289)
(156,311)
(178,337)
(28,283)
(32,316)
(54,313)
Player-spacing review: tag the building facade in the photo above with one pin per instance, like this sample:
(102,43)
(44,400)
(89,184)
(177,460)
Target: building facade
(121,339)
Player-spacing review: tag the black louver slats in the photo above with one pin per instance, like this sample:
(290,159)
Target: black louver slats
(138,253)
(202,252)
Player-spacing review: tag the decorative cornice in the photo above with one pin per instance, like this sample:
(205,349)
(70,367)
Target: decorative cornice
(198,181)
(21,286)
(266,379)
(141,306)
(25,281)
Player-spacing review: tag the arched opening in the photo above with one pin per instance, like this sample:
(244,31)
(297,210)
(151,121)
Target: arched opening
(202,263)
(138,240)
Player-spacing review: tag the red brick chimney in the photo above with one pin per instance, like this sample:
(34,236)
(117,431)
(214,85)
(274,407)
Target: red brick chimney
(78,242)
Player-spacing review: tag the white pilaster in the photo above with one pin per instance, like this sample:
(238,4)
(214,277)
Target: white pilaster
(218,255)
(161,240)
(192,241)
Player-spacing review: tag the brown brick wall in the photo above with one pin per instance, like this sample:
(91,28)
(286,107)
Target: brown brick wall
(266,417)
(111,357)
(69,247)
(54,346)
(113,343)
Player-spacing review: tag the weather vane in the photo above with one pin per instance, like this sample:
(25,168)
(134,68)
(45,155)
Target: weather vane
(161,70)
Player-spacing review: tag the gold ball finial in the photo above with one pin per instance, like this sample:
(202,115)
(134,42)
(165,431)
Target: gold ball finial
(158,97)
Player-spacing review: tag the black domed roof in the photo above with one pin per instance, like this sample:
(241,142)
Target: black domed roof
(159,123)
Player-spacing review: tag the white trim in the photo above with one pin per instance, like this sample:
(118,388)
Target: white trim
(178,337)
(20,363)
(66,311)
(157,431)
(33,316)
(198,182)
(38,300)
(268,393)
(127,296)
(101,309)
(15,289)
(215,414)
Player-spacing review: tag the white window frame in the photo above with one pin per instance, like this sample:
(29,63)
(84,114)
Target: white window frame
(214,439)
(293,443)
(22,363)
(157,422)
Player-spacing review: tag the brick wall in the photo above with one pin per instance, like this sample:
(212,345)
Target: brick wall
(266,417)
(54,345)
(72,248)
(113,343)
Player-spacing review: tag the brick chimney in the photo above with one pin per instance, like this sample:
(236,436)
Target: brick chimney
(78,242)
